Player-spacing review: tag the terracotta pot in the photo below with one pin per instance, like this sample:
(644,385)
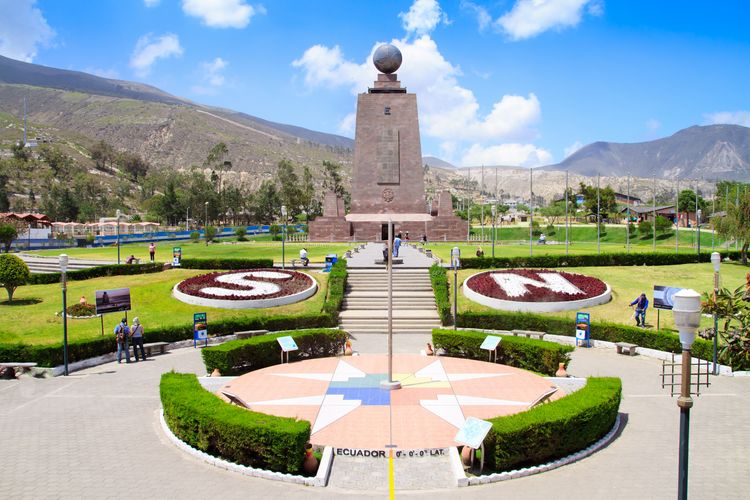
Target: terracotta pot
(429,350)
(561,371)
(216,373)
(466,454)
(348,349)
(310,465)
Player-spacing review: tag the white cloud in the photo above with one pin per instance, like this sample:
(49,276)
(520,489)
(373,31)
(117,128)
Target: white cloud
(423,17)
(104,73)
(652,124)
(213,70)
(517,155)
(572,148)
(529,18)
(23,30)
(327,67)
(729,117)
(222,13)
(148,50)
(151,3)
(346,126)
(483,16)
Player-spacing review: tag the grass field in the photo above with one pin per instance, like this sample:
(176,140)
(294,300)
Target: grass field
(629,282)
(31,317)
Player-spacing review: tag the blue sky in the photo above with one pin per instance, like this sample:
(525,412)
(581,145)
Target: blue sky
(511,82)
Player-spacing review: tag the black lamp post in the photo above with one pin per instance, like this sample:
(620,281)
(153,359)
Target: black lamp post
(494,212)
(455,263)
(63,281)
(118,214)
(716,261)
(283,237)
(205,224)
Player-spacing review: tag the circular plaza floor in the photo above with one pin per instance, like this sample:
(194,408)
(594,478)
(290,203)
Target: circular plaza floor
(346,406)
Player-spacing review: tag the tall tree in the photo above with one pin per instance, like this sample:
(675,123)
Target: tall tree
(289,188)
(101,153)
(307,199)
(265,203)
(736,224)
(686,201)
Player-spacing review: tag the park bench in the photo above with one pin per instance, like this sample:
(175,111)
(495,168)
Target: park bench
(153,346)
(624,346)
(348,254)
(250,333)
(529,334)
(19,367)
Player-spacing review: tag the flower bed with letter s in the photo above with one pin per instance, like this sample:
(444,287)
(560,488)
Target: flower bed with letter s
(536,290)
(246,289)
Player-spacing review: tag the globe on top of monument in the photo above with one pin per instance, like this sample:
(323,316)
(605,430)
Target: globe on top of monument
(387,58)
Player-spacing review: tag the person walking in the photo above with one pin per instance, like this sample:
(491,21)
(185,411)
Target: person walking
(641,304)
(136,333)
(152,251)
(396,245)
(122,334)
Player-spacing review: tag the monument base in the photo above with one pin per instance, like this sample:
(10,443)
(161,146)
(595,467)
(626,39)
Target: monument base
(445,228)
(329,229)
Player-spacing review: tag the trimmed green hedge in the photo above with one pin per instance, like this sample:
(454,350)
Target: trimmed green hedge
(336,289)
(607,259)
(600,330)
(241,356)
(207,423)
(520,352)
(97,272)
(226,263)
(439,280)
(554,430)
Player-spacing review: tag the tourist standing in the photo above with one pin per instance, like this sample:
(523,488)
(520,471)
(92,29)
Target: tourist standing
(152,251)
(641,304)
(136,332)
(122,334)
(396,245)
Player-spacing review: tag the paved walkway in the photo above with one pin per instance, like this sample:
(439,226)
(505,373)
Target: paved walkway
(374,251)
(95,434)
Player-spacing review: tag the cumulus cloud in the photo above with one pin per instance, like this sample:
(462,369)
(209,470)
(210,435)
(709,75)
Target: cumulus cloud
(529,18)
(214,71)
(482,15)
(423,16)
(23,30)
(573,148)
(149,49)
(519,155)
(151,3)
(728,117)
(222,13)
(346,126)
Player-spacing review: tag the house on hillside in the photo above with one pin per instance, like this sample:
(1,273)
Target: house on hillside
(37,226)
(624,199)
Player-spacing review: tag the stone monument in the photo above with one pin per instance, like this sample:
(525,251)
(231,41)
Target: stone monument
(388,177)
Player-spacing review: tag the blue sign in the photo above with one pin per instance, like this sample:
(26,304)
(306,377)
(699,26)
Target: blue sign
(200,328)
(490,342)
(287,344)
(331,259)
(473,432)
(583,328)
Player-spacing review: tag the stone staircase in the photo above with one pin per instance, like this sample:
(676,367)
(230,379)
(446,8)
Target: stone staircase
(42,264)
(365,306)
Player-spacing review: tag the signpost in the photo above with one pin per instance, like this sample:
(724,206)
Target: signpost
(583,328)
(490,344)
(176,256)
(109,301)
(200,329)
(287,344)
(472,434)
(663,299)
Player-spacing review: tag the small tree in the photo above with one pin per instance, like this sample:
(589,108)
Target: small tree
(645,228)
(210,233)
(195,236)
(274,229)
(240,232)
(632,229)
(663,225)
(8,233)
(13,273)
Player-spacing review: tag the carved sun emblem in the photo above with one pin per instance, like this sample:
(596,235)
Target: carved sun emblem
(388,195)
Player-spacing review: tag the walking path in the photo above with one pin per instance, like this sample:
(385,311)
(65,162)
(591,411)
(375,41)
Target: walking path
(372,252)
(95,434)
(41,264)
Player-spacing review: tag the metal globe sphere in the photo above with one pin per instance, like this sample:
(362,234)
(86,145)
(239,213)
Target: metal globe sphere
(387,58)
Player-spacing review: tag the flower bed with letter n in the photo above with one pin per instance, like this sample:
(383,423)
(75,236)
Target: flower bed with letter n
(246,289)
(536,290)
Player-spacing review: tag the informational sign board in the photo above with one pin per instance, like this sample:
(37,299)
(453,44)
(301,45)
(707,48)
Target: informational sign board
(490,342)
(109,301)
(664,296)
(583,327)
(176,256)
(473,432)
(331,259)
(200,328)
(287,344)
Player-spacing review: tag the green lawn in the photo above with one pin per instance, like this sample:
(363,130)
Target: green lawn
(316,252)
(628,282)
(32,320)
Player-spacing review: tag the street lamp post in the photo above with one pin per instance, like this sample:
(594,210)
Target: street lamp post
(687,316)
(283,236)
(494,212)
(64,282)
(205,224)
(118,214)
(716,261)
(455,263)
(698,214)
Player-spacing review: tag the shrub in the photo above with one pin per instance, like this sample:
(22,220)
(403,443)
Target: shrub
(8,233)
(195,236)
(555,429)
(439,280)
(520,352)
(97,272)
(645,228)
(13,273)
(240,232)
(663,225)
(218,263)
(551,230)
(241,356)
(81,310)
(210,233)
(336,289)
(207,423)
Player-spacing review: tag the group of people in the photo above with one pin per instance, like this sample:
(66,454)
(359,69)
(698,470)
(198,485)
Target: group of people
(125,335)
(151,253)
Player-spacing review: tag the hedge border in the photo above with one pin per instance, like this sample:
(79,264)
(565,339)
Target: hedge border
(96,272)
(207,423)
(528,354)
(441,289)
(241,356)
(228,264)
(556,429)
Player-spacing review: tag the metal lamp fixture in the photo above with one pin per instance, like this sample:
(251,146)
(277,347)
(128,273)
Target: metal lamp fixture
(687,317)
(118,214)
(455,264)
(205,223)
(63,281)
(283,237)
(716,262)
(494,212)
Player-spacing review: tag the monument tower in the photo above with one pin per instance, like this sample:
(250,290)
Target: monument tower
(388,176)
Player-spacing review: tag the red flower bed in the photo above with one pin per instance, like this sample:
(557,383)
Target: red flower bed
(295,283)
(485,284)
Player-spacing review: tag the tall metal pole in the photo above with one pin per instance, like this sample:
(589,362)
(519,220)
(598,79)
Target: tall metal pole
(283,238)
(677,219)
(713,229)
(598,217)
(653,222)
(390,384)
(482,220)
(627,222)
(685,402)
(63,277)
(468,205)
(697,220)
(736,204)
(494,212)
(531,211)
(117,213)
(716,260)
(205,224)
(566,214)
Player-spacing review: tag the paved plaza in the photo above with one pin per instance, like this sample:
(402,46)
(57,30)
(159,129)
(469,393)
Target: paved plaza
(95,434)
